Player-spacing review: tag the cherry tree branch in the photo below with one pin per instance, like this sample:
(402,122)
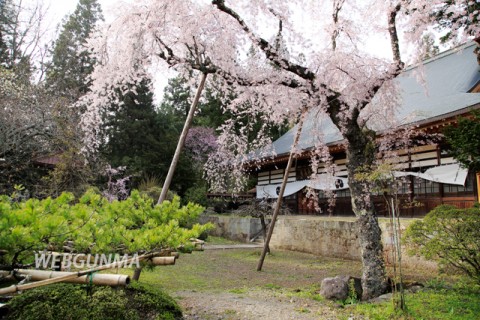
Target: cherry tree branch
(265,46)
(392,30)
(398,64)
(337,7)
(205,65)
(167,53)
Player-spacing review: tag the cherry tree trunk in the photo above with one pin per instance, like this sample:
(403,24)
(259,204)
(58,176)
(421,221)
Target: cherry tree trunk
(374,278)
(360,156)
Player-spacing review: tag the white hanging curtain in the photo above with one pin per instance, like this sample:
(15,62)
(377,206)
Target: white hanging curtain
(323,182)
(449,174)
(271,191)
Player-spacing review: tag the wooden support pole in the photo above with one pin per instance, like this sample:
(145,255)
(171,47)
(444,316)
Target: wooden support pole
(477,175)
(163,261)
(181,140)
(266,247)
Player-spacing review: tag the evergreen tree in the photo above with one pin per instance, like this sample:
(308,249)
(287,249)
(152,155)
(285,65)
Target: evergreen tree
(71,63)
(463,142)
(176,97)
(6,21)
(16,36)
(67,80)
(143,139)
(130,131)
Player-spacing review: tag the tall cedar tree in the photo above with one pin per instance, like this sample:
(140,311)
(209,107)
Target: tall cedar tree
(71,62)
(143,140)
(66,79)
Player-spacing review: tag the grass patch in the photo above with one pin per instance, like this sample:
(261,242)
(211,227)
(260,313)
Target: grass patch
(296,276)
(239,290)
(220,240)
(230,312)
(428,304)
(310,292)
(302,310)
(272,286)
(223,270)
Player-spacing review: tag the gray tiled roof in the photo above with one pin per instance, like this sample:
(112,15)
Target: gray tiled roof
(448,78)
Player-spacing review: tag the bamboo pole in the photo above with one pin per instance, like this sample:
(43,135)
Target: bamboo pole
(266,247)
(80,257)
(6,276)
(112,280)
(15,288)
(181,141)
(163,261)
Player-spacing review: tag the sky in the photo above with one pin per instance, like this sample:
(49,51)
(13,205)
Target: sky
(58,9)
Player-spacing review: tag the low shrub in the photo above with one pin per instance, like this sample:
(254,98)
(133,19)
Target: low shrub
(75,302)
(196,194)
(449,235)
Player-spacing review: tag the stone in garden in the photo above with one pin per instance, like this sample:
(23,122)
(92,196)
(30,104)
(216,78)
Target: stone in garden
(337,288)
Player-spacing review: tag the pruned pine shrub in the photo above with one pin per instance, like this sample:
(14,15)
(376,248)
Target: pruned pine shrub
(94,225)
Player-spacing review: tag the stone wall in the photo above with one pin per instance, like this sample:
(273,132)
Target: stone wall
(335,237)
(233,227)
(323,236)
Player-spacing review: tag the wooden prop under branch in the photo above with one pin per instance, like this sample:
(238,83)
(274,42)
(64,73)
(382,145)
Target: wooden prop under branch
(199,244)
(112,280)
(163,261)
(72,275)
(165,257)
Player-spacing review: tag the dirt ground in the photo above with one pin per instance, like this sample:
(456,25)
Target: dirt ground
(274,293)
(252,304)
(224,284)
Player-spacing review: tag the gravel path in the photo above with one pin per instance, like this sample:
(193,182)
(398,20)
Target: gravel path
(256,304)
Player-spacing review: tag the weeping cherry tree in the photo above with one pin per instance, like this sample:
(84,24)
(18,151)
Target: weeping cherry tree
(280,60)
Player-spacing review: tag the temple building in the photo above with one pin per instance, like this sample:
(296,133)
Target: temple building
(450,88)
